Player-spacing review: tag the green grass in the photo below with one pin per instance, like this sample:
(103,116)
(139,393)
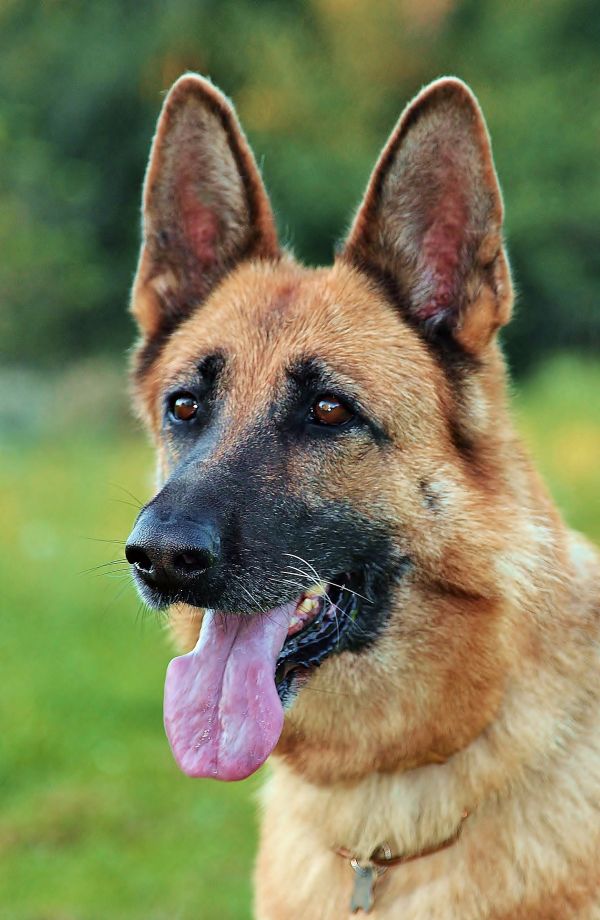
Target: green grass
(96,819)
(559,416)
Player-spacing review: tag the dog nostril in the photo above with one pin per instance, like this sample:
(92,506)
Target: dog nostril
(192,562)
(137,557)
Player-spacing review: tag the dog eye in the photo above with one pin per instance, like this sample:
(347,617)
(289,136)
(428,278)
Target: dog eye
(329,410)
(184,407)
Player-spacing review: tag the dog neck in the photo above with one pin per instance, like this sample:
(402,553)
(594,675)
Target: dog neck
(411,812)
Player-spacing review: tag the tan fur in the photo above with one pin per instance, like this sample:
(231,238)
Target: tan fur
(483,692)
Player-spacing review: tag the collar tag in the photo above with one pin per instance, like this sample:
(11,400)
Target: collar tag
(362,894)
(365,877)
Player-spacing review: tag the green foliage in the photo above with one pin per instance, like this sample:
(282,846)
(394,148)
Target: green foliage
(96,820)
(318,85)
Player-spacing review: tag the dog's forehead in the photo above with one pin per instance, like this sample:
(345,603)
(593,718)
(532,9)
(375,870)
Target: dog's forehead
(266,318)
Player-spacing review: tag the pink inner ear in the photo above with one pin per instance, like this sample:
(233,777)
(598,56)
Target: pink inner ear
(443,250)
(200,222)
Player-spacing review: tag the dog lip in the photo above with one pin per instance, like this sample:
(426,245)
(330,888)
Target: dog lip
(320,636)
(159,596)
(322,598)
(152,596)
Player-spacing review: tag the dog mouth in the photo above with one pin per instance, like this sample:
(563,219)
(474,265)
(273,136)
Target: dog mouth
(224,701)
(324,615)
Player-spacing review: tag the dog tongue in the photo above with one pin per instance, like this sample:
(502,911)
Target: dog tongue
(223,716)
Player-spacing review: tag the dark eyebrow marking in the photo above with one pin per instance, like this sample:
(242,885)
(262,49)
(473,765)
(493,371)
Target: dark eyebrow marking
(307,372)
(211,367)
(204,378)
(312,375)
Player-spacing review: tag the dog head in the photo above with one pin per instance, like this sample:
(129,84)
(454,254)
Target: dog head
(333,445)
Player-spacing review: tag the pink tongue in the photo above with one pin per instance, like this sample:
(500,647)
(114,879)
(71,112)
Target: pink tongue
(223,716)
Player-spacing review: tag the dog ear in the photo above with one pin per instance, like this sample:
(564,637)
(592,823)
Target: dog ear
(204,206)
(431,220)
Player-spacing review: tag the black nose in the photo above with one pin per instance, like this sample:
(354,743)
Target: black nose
(171,553)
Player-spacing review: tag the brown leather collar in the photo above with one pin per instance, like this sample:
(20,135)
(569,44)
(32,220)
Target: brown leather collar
(385,862)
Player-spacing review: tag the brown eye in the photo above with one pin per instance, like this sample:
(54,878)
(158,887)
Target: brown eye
(184,407)
(329,410)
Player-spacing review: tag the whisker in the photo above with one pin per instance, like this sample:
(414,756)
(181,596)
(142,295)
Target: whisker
(291,581)
(307,576)
(253,602)
(121,501)
(116,485)
(117,575)
(304,562)
(101,540)
(333,584)
(103,565)
(337,624)
(349,590)
(114,600)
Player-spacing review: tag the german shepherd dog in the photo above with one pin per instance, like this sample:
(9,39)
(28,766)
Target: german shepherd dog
(389,602)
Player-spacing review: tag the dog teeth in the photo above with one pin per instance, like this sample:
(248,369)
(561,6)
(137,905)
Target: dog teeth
(308,608)
(308,605)
(319,589)
(310,601)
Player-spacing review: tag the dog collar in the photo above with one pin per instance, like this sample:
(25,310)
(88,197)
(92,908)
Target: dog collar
(381,859)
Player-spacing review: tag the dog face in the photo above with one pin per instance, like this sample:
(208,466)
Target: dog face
(332,444)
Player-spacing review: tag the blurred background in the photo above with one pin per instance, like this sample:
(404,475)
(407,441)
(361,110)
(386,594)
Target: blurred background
(96,821)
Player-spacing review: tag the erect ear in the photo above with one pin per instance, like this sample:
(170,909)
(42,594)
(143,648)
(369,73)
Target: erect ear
(431,220)
(204,206)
